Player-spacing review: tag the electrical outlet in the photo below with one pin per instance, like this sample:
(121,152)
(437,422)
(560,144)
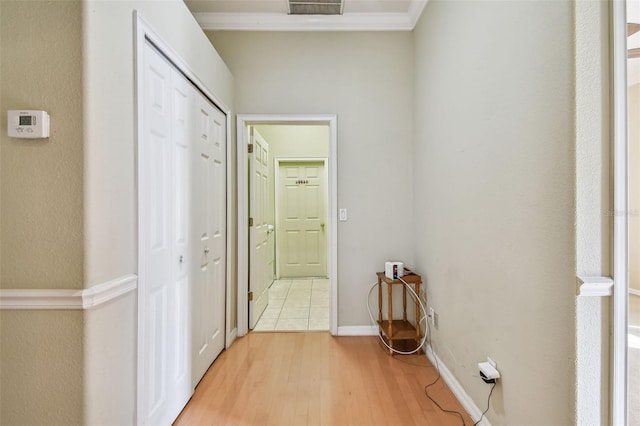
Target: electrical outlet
(433,317)
(492,362)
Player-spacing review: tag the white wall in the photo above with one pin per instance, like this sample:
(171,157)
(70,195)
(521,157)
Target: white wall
(494,199)
(593,205)
(366,79)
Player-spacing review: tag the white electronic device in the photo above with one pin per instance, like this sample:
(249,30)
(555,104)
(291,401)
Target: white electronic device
(394,270)
(488,371)
(27,124)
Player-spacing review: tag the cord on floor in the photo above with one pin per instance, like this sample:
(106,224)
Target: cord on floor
(426,388)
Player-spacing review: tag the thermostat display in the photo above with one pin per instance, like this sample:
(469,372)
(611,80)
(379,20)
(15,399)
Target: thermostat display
(26,120)
(28,124)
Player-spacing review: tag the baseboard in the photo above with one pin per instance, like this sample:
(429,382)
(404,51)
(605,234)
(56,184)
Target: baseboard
(358,330)
(463,397)
(63,299)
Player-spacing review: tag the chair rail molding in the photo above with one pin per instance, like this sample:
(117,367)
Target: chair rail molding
(594,286)
(65,299)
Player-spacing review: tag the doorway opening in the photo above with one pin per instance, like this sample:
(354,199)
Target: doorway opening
(287,193)
(298,295)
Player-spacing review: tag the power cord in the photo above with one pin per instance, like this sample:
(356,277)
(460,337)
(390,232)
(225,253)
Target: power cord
(426,388)
(488,402)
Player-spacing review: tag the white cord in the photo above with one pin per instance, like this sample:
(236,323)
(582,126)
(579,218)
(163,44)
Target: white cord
(422,308)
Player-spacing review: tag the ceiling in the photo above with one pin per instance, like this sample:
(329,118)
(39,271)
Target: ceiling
(272,15)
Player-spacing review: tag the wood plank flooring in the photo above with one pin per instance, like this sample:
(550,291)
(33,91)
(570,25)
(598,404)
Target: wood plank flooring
(316,379)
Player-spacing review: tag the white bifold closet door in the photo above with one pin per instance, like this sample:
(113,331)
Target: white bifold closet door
(210,223)
(182,206)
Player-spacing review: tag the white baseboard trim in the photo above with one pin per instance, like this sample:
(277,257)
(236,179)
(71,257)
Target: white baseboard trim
(634,291)
(43,299)
(467,403)
(358,330)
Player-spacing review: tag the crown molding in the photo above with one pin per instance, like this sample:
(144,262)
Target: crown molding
(282,22)
(415,11)
(41,299)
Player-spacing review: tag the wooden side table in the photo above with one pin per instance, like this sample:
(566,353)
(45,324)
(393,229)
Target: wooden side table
(399,332)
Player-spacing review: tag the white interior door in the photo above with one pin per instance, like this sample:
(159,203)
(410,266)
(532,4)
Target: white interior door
(210,235)
(302,242)
(259,256)
(164,151)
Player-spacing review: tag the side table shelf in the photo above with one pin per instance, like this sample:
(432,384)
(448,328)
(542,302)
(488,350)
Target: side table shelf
(399,334)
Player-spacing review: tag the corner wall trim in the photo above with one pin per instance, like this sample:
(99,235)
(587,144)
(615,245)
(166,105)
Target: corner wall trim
(465,400)
(64,299)
(594,286)
(358,330)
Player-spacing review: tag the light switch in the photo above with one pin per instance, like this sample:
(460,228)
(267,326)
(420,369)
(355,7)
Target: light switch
(343,215)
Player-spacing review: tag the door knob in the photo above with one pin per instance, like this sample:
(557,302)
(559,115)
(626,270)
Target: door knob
(322,225)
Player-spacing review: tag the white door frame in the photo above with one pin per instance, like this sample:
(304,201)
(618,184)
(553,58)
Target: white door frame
(620,206)
(243,121)
(276,172)
(143,31)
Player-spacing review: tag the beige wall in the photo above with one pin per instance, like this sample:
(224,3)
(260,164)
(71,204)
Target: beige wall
(42,179)
(366,79)
(41,213)
(69,204)
(494,199)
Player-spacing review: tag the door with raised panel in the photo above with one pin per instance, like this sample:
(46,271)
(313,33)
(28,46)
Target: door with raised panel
(209,227)
(164,150)
(260,276)
(301,238)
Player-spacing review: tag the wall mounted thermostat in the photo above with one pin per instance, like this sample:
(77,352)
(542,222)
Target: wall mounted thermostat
(28,124)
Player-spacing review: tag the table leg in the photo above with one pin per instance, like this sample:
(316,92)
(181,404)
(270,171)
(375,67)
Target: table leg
(404,302)
(390,319)
(379,300)
(418,313)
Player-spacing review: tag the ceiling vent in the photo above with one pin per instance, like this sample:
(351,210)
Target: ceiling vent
(315,7)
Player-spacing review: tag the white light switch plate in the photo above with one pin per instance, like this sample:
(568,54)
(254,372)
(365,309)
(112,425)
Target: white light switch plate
(343,215)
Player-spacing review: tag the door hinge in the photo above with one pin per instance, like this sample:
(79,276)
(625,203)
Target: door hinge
(250,296)
(250,148)
(250,221)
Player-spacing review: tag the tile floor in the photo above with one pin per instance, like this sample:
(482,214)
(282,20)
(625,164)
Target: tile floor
(296,305)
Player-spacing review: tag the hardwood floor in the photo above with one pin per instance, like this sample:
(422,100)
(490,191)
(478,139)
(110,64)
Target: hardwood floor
(316,379)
